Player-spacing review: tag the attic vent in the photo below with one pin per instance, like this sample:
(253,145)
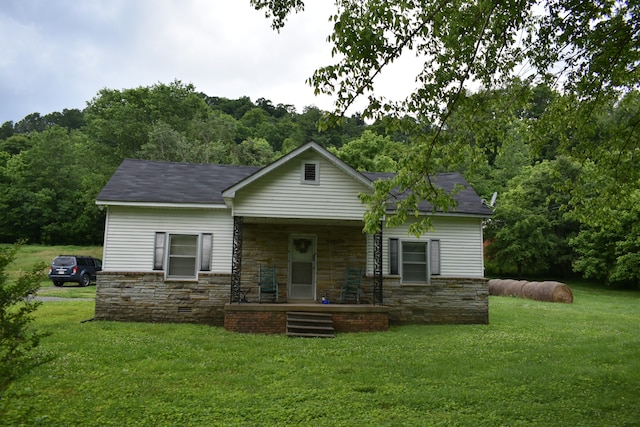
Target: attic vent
(310,172)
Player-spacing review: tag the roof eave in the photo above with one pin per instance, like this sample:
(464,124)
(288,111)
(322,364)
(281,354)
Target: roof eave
(161,204)
(449,214)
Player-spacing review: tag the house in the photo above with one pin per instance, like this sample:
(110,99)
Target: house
(184,243)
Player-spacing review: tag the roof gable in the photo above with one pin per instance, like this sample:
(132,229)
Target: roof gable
(311,146)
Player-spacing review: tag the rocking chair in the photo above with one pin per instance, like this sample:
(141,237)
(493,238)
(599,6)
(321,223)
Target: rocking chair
(267,283)
(351,286)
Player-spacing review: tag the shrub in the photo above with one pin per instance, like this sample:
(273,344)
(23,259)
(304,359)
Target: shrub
(17,339)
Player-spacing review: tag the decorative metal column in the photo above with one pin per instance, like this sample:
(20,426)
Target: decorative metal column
(377,268)
(236,259)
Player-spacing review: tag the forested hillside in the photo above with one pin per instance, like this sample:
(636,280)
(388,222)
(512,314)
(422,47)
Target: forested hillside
(557,212)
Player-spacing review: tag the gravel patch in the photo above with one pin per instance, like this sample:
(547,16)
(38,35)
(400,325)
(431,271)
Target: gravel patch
(48,299)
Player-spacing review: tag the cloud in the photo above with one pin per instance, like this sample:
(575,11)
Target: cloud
(59,53)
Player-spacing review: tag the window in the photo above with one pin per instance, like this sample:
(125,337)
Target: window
(310,172)
(416,262)
(182,254)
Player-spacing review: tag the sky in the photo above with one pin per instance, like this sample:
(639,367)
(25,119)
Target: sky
(57,54)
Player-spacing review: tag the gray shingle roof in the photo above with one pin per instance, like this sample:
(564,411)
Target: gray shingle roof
(168,182)
(147,181)
(468,201)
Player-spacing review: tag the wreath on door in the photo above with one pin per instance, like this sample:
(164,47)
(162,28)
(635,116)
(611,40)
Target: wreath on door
(302,245)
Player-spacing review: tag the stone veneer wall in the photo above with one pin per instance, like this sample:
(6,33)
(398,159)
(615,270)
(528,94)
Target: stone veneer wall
(447,300)
(146,297)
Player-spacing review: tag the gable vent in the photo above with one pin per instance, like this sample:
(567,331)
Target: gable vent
(310,172)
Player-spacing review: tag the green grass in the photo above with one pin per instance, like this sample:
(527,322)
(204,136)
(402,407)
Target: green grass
(534,364)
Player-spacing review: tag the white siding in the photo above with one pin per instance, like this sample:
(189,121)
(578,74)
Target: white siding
(130,234)
(281,194)
(461,250)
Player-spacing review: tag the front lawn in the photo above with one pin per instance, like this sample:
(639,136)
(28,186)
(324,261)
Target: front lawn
(534,364)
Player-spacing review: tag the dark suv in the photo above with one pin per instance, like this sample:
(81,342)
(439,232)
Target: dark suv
(73,268)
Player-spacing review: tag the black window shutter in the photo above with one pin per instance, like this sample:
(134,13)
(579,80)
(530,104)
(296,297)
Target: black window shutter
(206,246)
(435,257)
(393,256)
(158,254)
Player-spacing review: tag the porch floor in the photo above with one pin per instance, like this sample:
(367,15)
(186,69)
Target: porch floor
(271,318)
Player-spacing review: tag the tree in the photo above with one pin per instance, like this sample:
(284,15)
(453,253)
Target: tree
(122,120)
(18,340)
(33,122)
(15,144)
(233,107)
(6,130)
(254,152)
(48,190)
(610,252)
(588,50)
(370,152)
(530,228)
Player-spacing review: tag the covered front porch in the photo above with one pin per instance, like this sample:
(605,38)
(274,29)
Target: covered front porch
(311,259)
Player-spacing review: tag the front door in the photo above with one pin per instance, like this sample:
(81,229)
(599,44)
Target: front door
(302,267)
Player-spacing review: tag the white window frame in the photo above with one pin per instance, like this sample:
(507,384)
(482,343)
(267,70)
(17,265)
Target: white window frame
(163,257)
(176,257)
(432,259)
(403,264)
(316,166)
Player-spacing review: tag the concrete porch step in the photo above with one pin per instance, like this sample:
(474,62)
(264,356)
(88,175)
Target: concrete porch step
(310,324)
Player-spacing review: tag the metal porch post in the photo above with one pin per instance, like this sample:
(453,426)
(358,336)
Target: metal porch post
(377,267)
(236,259)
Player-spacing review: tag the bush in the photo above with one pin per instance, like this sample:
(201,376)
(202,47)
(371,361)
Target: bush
(17,339)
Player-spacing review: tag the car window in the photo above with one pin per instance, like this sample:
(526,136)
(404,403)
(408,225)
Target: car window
(63,261)
(98,263)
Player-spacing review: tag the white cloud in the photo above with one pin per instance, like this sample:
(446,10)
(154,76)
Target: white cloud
(59,53)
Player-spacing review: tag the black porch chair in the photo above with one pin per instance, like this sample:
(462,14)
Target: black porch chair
(267,283)
(351,286)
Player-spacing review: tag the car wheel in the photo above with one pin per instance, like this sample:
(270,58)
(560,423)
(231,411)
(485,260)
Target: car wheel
(85,280)
(57,283)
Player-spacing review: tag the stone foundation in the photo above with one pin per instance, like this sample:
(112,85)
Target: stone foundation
(147,297)
(447,300)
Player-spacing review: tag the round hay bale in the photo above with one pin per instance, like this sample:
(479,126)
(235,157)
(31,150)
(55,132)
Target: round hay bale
(506,287)
(494,286)
(560,292)
(549,291)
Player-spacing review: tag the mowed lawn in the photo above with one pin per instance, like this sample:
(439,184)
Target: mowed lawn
(536,363)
